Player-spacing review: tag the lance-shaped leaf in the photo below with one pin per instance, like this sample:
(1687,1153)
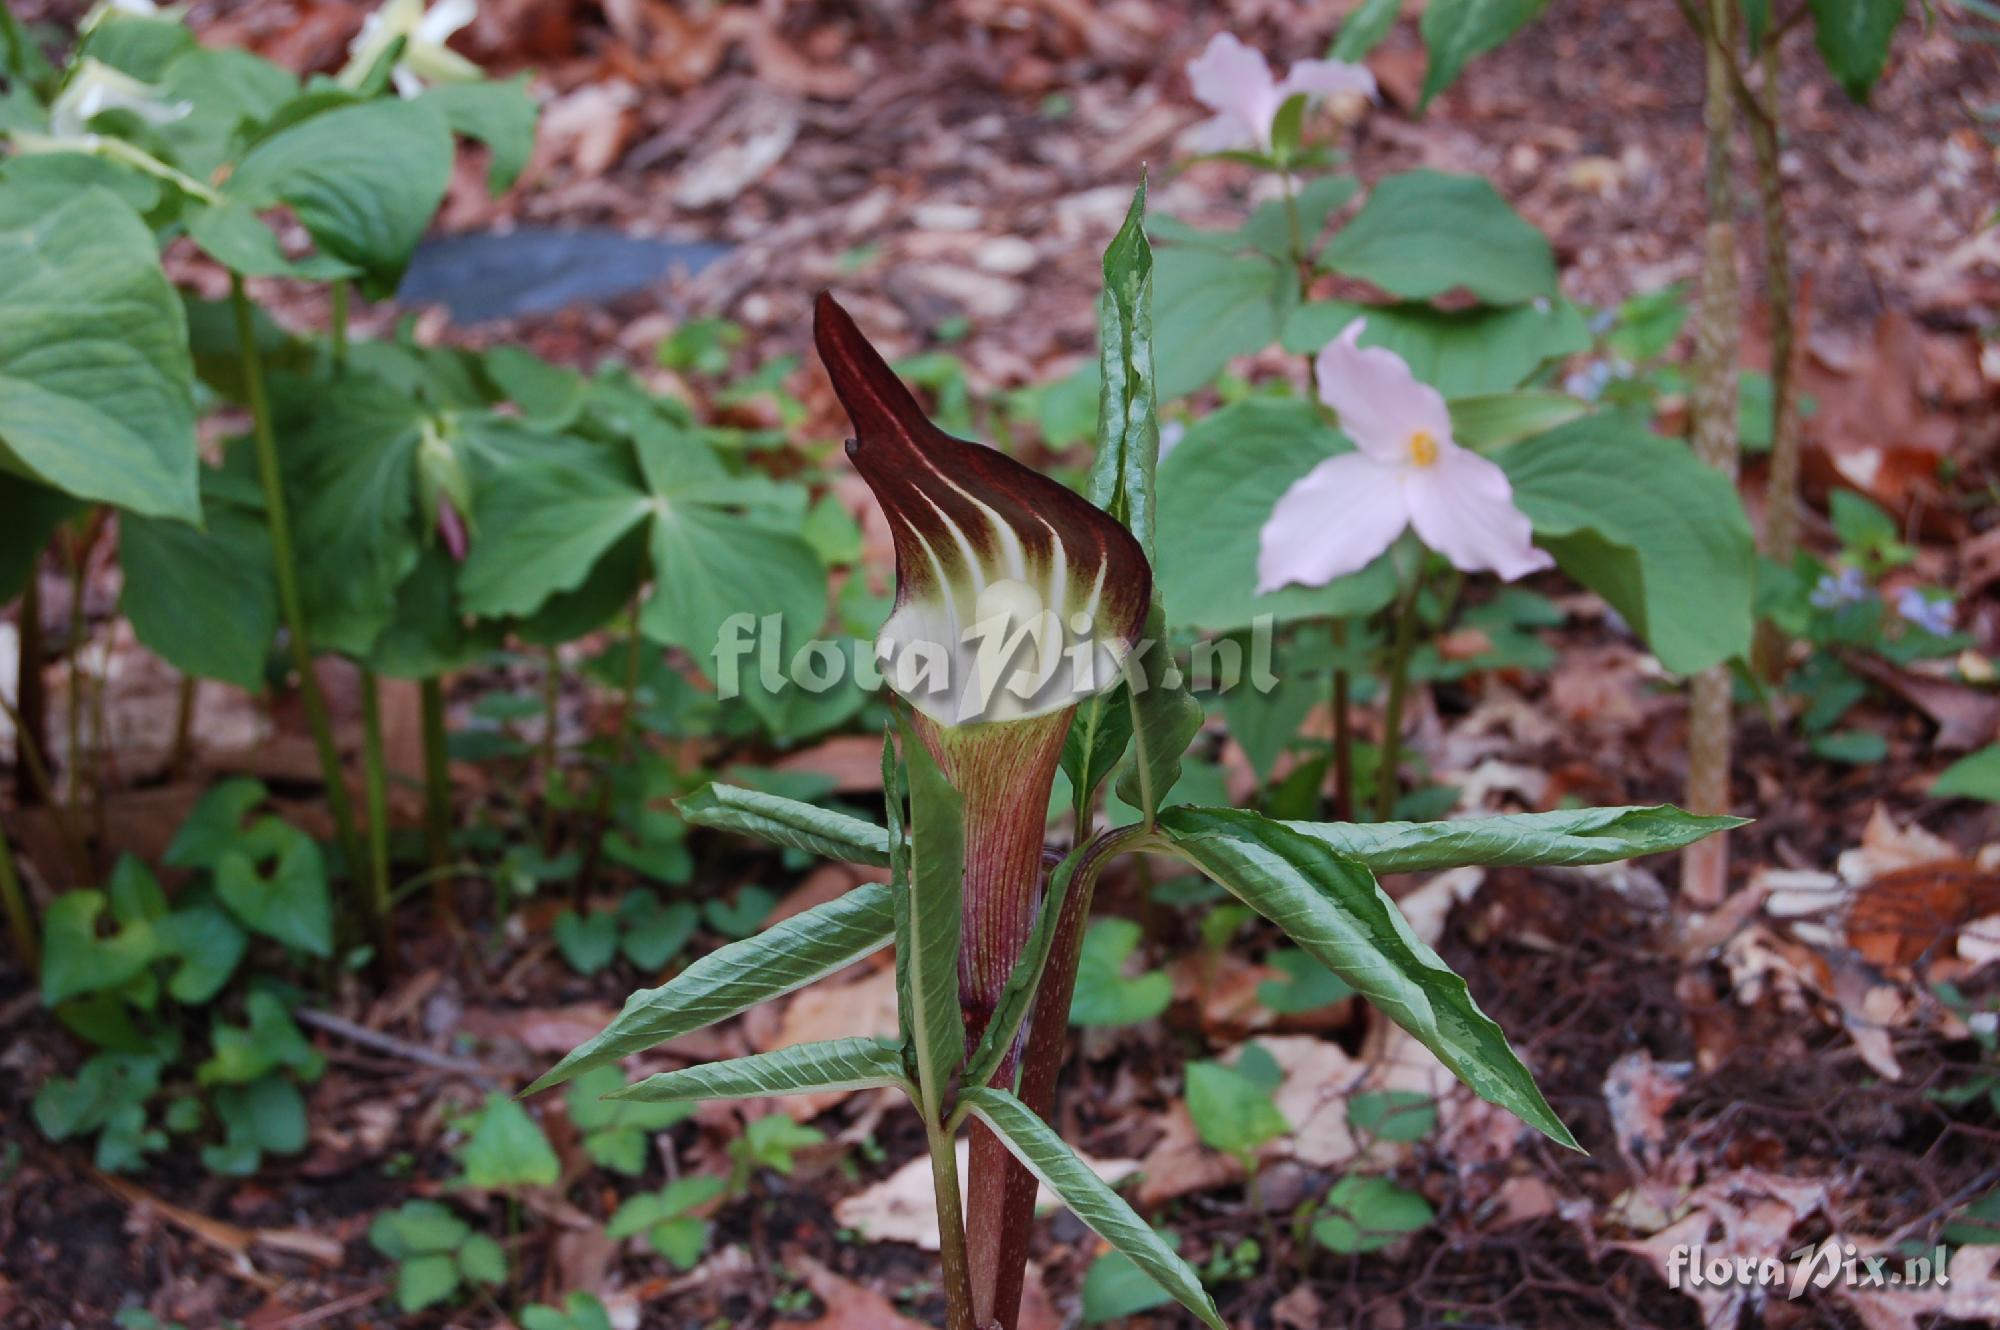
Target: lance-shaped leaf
(1089,1197)
(1128,428)
(784,957)
(1165,719)
(1570,837)
(1331,906)
(835,1064)
(1015,597)
(787,822)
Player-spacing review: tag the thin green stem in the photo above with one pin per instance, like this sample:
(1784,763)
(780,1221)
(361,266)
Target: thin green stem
(437,794)
(183,749)
(551,701)
(73,760)
(1392,714)
(31,725)
(286,564)
(1342,770)
(951,1230)
(375,773)
(339,320)
(37,768)
(20,918)
(621,758)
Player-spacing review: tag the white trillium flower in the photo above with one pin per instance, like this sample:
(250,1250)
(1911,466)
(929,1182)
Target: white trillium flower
(425,58)
(1405,472)
(93,88)
(1235,82)
(104,9)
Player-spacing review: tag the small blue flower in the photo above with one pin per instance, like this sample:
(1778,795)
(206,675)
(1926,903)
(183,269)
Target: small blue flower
(1936,617)
(1838,590)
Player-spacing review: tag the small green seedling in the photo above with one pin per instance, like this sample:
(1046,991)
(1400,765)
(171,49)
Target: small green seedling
(615,1130)
(1393,1115)
(644,930)
(580,1311)
(505,1148)
(435,1253)
(664,1218)
(1364,1213)
(768,1142)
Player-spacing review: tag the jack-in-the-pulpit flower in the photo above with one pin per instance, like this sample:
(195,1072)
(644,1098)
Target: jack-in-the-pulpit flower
(94,88)
(1015,597)
(1236,83)
(425,58)
(1406,471)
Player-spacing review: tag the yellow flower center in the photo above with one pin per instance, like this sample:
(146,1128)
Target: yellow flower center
(1423,448)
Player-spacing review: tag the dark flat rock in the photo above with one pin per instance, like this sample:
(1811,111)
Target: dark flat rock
(494,275)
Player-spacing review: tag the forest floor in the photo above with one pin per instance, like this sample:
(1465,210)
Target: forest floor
(1780,1070)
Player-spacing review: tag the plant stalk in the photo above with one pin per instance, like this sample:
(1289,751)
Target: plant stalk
(1781,488)
(31,726)
(1705,865)
(73,756)
(1386,785)
(43,783)
(951,1231)
(621,757)
(286,561)
(377,785)
(1341,796)
(551,700)
(20,915)
(437,797)
(184,706)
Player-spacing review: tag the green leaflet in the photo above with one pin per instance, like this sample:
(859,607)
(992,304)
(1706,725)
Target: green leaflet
(785,957)
(1580,836)
(1331,906)
(835,1064)
(787,822)
(1128,430)
(1089,1198)
(1165,719)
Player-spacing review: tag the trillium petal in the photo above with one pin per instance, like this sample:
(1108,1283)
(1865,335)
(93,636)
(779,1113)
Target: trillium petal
(1463,507)
(1229,77)
(1015,596)
(1222,133)
(445,18)
(1380,402)
(1324,78)
(1335,520)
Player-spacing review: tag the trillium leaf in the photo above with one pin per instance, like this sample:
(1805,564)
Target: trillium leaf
(1460,352)
(1088,1196)
(1679,571)
(1570,837)
(836,1064)
(784,957)
(787,822)
(1331,906)
(95,377)
(1854,36)
(1457,31)
(1018,592)
(1211,307)
(204,598)
(1424,233)
(499,114)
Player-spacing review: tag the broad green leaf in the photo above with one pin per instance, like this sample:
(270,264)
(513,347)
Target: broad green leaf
(96,383)
(500,115)
(1088,1196)
(75,960)
(785,957)
(290,901)
(268,1113)
(1209,307)
(137,44)
(350,474)
(545,523)
(1307,985)
(1393,1115)
(1457,31)
(1977,1225)
(209,944)
(1231,1112)
(1165,717)
(1568,837)
(364,179)
(227,90)
(215,823)
(1331,906)
(1128,430)
(935,920)
(1365,1213)
(836,1064)
(424,1281)
(34,511)
(203,598)
(1460,352)
(1976,776)
(1424,233)
(507,1148)
(1679,569)
(1114,1288)
(417,1228)
(481,1258)
(1364,28)
(1854,37)
(1105,994)
(588,942)
(710,565)
(1217,490)
(236,237)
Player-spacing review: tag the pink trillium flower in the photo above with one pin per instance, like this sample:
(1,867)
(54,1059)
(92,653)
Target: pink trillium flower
(1235,82)
(1405,471)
